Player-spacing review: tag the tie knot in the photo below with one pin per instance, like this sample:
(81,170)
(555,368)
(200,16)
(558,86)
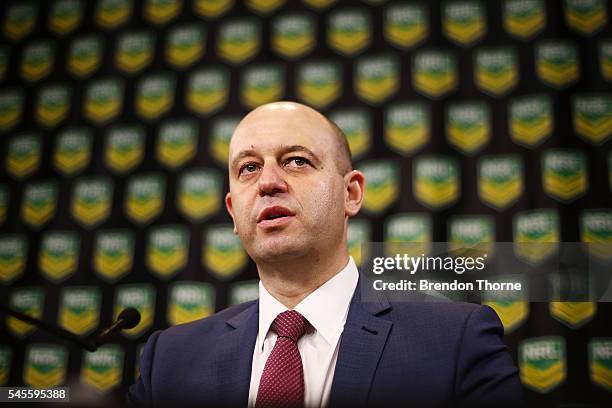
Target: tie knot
(290,324)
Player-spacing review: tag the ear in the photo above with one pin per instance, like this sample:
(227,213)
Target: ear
(230,209)
(354,184)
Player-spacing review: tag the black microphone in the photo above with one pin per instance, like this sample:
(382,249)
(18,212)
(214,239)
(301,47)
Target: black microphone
(127,319)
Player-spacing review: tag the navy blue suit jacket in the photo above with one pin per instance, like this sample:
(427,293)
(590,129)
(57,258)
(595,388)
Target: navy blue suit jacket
(410,354)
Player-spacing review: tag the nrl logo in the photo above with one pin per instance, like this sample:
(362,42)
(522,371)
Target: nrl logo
(162,11)
(85,56)
(434,73)
(221,132)
(53,105)
(596,233)
(357,127)
(111,14)
(377,78)
(222,252)
(359,232)
(406,25)
(207,90)
(585,16)
(190,301)
(11,108)
(530,119)
(464,22)
(262,84)
(155,96)
(468,126)
(124,148)
(382,188)
(349,31)
(79,310)
(103,100)
(293,35)
(199,194)
(134,51)
(264,6)
(500,180)
(19,20)
(72,151)
(38,204)
(65,16)
(592,117)
(45,365)
(185,45)
(113,254)
(476,231)
(59,255)
(103,368)
(512,309)
(319,83)
(23,156)
(413,229)
(36,61)
(524,19)
(600,361)
(212,8)
(92,201)
(564,174)
(238,40)
(496,70)
(142,298)
(177,142)
(145,197)
(407,127)
(435,181)
(243,291)
(573,314)
(29,301)
(13,253)
(539,227)
(557,63)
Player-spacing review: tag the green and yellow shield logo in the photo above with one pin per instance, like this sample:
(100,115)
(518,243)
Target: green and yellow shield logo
(103,368)
(84,56)
(124,148)
(294,35)
(524,19)
(600,361)
(239,40)
(110,14)
(318,83)
(262,84)
(357,127)
(52,105)
(496,70)
(382,188)
(212,8)
(167,250)
(500,180)
(19,20)
(134,51)
(596,232)
(585,16)
(186,44)
(605,59)
(65,16)
(36,61)
(190,301)
(530,119)
(318,4)
(471,231)
(570,304)
(45,365)
(468,126)
(23,156)
(38,203)
(103,100)
(199,194)
(222,252)
(155,96)
(13,257)
(59,255)
(573,314)
(264,6)
(464,21)
(29,301)
(406,25)
(79,311)
(557,63)
(72,151)
(434,73)
(145,197)
(5,364)
(207,90)
(221,133)
(113,254)
(349,31)
(243,291)
(536,235)
(435,181)
(564,174)
(162,11)
(142,298)
(409,228)
(377,78)
(359,232)
(511,308)
(4,203)
(11,108)
(592,116)
(92,200)
(177,142)
(407,127)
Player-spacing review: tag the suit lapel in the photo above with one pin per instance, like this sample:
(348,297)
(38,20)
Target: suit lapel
(361,346)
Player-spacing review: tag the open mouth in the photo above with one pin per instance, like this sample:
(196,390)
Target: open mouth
(274,213)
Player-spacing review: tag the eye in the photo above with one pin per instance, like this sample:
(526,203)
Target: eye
(248,168)
(298,161)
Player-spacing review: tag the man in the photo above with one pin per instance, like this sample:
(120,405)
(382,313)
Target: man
(310,339)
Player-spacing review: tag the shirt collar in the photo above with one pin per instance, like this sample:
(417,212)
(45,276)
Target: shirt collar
(325,309)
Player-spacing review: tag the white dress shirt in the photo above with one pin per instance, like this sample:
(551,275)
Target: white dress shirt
(326,310)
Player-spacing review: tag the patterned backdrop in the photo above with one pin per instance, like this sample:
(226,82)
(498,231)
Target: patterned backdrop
(473,121)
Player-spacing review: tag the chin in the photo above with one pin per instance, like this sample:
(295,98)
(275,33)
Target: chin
(278,250)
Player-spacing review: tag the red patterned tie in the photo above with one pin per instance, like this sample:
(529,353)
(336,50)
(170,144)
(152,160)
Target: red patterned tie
(282,381)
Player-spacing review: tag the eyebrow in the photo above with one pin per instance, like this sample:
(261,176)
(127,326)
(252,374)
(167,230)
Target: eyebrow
(283,150)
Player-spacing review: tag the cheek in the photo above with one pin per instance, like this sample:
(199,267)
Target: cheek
(326,200)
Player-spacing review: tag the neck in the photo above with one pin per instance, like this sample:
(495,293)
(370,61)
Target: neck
(291,281)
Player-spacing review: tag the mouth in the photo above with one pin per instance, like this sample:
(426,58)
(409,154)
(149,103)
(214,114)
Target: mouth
(274,216)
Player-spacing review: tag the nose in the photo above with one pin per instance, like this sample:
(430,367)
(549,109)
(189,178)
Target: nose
(271,180)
